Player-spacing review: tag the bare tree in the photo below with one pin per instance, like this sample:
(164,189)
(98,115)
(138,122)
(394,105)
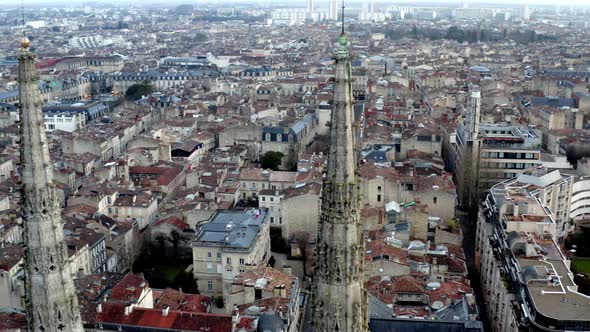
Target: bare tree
(301,240)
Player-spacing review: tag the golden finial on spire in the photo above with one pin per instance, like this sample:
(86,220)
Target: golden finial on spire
(25,43)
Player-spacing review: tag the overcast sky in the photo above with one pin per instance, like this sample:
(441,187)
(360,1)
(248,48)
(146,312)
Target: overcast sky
(319,3)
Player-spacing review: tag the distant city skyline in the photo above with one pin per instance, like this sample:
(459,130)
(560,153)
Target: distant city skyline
(321,3)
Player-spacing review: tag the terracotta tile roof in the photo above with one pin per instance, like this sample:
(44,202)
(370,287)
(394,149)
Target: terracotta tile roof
(407,284)
(407,310)
(129,289)
(313,188)
(273,304)
(273,277)
(176,300)
(10,256)
(246,323)
(378,248)
(91,290)
(165,175)
(370,171)
(370,212)
(79,209)
(450,290)
(174,221)
(12,320)
(195,303)
(114,313)
(455,250)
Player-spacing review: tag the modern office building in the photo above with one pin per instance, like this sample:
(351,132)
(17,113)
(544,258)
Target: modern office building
(506,151)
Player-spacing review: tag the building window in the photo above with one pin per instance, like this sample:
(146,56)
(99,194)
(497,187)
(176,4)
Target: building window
(268,137)
(272,220)
(218,255)
(263,198)
(210,267)
(272,199)
(258,294)
(378,188)
(434,199)
(378,198)
(279,137)
(242,261)
(209,255)
(210,285)
(228,260)
(280,220)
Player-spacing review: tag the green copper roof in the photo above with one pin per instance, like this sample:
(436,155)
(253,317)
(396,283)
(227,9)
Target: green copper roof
(342,51)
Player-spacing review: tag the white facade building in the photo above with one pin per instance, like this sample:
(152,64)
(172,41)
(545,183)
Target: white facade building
(64,121)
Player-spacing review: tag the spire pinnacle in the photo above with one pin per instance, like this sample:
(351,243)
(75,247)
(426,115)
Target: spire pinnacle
(22,10)
(343,16)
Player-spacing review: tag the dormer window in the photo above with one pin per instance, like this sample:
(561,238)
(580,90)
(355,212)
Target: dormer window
(268,137)
(279,137)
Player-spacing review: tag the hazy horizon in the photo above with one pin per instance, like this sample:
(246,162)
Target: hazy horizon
(295,2)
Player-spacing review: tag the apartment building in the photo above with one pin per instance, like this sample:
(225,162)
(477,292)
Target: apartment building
(554,190)
(525,278)
(231,243)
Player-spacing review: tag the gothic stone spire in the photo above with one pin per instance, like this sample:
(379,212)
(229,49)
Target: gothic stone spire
(339,301)
(51,300)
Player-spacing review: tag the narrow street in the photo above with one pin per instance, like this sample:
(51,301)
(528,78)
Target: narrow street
(468,226)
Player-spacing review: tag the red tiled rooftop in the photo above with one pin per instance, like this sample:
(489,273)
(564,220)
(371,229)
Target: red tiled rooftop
(176,300)
(174,221)
(165,174)
(114,313)
(129,289)
(12,320)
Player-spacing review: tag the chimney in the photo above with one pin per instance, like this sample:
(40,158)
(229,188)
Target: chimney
(99,308)
(279,291)
(128,310)
(287,270)
(165,310)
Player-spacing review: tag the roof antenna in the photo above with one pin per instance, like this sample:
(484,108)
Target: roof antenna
(342,16)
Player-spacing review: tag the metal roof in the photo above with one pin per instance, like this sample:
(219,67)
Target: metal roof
(232,229)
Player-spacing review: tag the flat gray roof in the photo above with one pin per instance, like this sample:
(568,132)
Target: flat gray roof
(232,229)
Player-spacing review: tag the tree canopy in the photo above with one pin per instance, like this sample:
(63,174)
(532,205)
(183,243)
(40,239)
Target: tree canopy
(137,90)
(184,9)
(272,160)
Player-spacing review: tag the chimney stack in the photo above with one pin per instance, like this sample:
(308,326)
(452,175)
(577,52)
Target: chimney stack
(128,310)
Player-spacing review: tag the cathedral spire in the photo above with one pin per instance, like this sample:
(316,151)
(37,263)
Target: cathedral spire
(343,16)
(51,301)
(339,300)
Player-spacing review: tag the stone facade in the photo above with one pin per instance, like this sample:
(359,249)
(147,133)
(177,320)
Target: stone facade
(51,303)
(339,300)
